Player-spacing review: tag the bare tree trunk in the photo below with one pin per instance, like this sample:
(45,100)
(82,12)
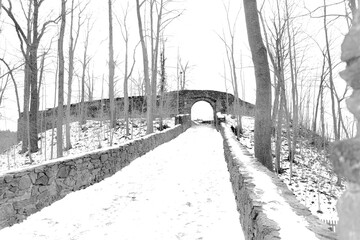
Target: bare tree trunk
(128,72)
(162,85)
(146,71)
(41,76)
(295,100)
(72,47)
(25,132)
(155,54)
(263,86)
(279,136)
(337,137)
(276,100)
(33,81)
(54,113)
(126,93)
(226,90)
(60,113)
(319,96)
(84,63)
(111,69)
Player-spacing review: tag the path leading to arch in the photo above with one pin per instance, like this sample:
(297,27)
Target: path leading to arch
(180,190)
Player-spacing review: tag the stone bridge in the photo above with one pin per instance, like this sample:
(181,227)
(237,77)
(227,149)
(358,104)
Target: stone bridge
(174,102)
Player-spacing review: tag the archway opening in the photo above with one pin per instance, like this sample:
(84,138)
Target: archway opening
(202,112)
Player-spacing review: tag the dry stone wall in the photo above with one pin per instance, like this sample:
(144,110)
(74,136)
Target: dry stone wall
(265,214)
(26,191)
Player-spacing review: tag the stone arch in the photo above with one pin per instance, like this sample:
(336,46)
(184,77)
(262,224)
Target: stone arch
(211,103)
(189,103)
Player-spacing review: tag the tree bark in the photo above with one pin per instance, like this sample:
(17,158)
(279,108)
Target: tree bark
(111,69)
(70,78)
(336,134)
(263,86)
(146,71)
(60,112)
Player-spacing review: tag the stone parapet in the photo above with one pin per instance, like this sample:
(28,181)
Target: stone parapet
(26,191)
(268,209)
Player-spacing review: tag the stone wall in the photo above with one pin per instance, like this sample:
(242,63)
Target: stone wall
(268,209)
(98,109)
(26,191)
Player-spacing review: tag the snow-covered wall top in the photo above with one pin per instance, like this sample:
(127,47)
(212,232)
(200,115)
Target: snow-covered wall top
(268,209)
(26,191)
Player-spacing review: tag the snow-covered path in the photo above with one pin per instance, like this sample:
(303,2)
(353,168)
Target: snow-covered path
(180,190)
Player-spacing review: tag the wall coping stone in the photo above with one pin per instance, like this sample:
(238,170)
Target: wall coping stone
(268,209)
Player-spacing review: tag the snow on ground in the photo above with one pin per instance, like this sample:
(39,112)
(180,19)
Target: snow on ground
(88,137)
(313,181)
(180,190)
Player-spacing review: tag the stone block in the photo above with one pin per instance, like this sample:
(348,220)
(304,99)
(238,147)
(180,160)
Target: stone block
(39,169)
(6,211)
(42,179)
(25,182)
(104,157)
(8,178)
(33,177)
(24,203)
(8,194)
(70,163)
(70,182)
(34,191)
(53,189)
(23,194)
(72,172)
(43,195)
(78,161)
(63,172)
(42,188)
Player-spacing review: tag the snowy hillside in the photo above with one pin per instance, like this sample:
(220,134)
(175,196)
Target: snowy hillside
(88,137)
(313,181)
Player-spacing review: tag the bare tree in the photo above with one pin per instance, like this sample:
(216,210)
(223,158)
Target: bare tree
(160,18)
(127,72)
(146,69)
(184,70)
(29,44)
(230,54)
(111,68)
(162,83)
(60,112)
(263,86)
(330,64)
(72,47)
(85,62)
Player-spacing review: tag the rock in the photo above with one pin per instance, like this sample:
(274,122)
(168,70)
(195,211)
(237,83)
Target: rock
(8,178)
(350,47)
(13,189)
(42,179)
(69,182)
(104,157)
(6,211)
(33,177)
(63,172)
(25,182)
